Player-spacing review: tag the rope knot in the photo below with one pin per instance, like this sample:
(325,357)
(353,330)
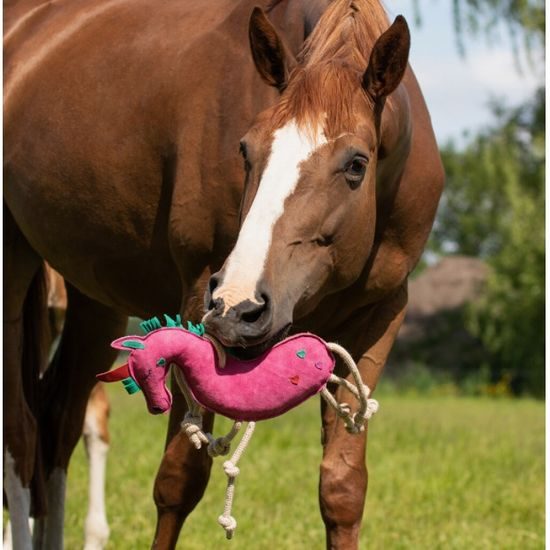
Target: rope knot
(230,469)
(219,447)
(372,408)
(229,523)
(344,409)
(192,426)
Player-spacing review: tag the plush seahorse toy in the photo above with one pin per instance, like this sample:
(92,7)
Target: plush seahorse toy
(243,390)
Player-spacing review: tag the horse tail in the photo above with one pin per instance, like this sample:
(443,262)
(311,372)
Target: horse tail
(34,362)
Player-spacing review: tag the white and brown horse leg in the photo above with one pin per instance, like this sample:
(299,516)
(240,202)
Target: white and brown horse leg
(344,476)
(182,477)
(84,350)
(24,304)
(96,442)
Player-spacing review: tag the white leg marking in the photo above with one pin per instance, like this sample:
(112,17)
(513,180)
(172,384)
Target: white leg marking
(7,545)
(19,504)
(290,147)
(96,528)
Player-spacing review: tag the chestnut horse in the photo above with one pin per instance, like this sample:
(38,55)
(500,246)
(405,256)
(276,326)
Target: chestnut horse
(122,123)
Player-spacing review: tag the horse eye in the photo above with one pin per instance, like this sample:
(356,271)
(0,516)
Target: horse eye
(355,171)
(161,362)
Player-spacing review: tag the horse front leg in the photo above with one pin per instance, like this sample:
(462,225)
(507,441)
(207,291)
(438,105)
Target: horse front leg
(343,481)
(344,476)
(182,477)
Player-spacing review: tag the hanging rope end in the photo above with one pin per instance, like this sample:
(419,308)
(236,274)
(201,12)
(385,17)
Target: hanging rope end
(229,523)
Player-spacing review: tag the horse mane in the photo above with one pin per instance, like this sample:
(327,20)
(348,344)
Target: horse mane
(330,66)
(347,29)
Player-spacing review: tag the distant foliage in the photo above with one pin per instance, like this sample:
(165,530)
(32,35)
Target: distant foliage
(523,20)
(494,209)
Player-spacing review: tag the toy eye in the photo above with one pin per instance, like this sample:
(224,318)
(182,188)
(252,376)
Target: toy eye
(161,362)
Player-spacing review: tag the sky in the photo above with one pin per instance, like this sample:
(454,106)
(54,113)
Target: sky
(458,89)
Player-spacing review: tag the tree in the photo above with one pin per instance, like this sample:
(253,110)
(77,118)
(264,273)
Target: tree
(493,208)
(524,21)
(493,205)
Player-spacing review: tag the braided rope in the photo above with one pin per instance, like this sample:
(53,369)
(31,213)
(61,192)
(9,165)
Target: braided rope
(226,520)
(192,421)
(355,423)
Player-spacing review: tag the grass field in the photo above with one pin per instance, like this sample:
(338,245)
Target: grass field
(444,473)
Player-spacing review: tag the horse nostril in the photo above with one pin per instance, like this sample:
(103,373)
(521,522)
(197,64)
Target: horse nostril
(212,285)
(252,314)
(157,410)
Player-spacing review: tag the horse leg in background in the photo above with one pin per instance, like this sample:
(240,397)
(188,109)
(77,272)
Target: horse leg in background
(8,542)
(344,476)
(182,477)
(96,442)
(84,350)
(95,433)
(24,304)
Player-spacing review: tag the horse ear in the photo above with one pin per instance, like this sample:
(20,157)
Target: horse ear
(388,60)
(271,57)
(128,343)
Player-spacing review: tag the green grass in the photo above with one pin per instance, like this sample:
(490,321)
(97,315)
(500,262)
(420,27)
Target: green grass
(444,473)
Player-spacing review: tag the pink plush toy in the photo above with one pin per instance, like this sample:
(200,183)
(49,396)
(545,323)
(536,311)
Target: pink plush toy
(281,378)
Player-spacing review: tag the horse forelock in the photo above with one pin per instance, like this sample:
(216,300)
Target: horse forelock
(322,88)
(321,100)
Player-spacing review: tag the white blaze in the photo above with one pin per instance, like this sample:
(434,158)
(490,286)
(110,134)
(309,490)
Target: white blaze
(290,147)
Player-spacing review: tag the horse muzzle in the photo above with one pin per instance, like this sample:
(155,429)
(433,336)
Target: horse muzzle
(238,322)
(243,325)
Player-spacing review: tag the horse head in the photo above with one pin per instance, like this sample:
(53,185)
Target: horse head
(317,162)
